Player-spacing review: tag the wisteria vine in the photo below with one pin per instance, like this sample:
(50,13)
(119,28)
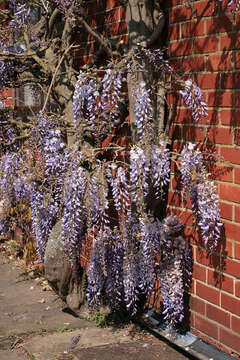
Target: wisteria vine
(108,199)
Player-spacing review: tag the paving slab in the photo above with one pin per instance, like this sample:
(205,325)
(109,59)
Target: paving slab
(34,327)
(25,308)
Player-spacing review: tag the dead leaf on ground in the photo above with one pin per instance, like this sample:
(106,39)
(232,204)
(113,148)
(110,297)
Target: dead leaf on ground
(42,301)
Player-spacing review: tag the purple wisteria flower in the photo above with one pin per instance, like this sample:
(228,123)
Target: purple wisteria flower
(21,12)
(171,271)
(3,75)
(203,194)
(206,208)
(84,102)
(143,109)
(44,214)
(193,98)
(96,277)
(191,164)
(120,188)
(160,166)
(139,174)
(111,92)
(74,220)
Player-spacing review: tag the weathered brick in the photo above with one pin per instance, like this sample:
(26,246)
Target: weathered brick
(230,339)
(206,326)
(206,44)
(208,293)
(230,303)
(218,315)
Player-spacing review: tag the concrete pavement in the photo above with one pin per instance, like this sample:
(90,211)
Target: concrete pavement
(34,327)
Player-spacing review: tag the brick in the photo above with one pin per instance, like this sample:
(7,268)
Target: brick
(208,81)
(206,45)
(232,267)
(230,339)
(220,136)
(218,25)
(230,80)
(197,305)
(203,8)
(236,137)
(180,48)
(180,14)
(237,288)
(237,213)
(237,98)
(112,16)
(192,29)
(220,281)
(110,4)
(207,259)
(237,60)
(220,98)
(199,272)
(229,42)
(218,315)
(230,192)
(237,175)
(172,3)
(230,303)
(230,154)
(174,32)
(232,231)
(236,324)
(230,117)
(193,64)
(174,198)
(223,173)
(226,211)
(206,326)
(213,117)
(228,248)
(223,62)
(207,293)
(237,251)
(192,133)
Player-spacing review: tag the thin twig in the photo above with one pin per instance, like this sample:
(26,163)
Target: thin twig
(54,76)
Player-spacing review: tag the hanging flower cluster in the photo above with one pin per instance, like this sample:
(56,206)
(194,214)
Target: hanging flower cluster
(21,13)
(193,98)
(174,256)
(3,74)
(203,194)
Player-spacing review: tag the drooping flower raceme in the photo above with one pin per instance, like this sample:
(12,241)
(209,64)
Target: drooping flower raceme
(207,211)
(203,194)
(174,252)
(143,110)
(111,92)
(160,166)
(21,12)
(84,102)
(139,174)
(74,221)
(3,74)
(193,98)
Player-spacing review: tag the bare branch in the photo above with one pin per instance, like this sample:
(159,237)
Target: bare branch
(54,76)
(102,41)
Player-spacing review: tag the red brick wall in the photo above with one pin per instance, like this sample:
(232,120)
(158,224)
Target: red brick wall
(204,44)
